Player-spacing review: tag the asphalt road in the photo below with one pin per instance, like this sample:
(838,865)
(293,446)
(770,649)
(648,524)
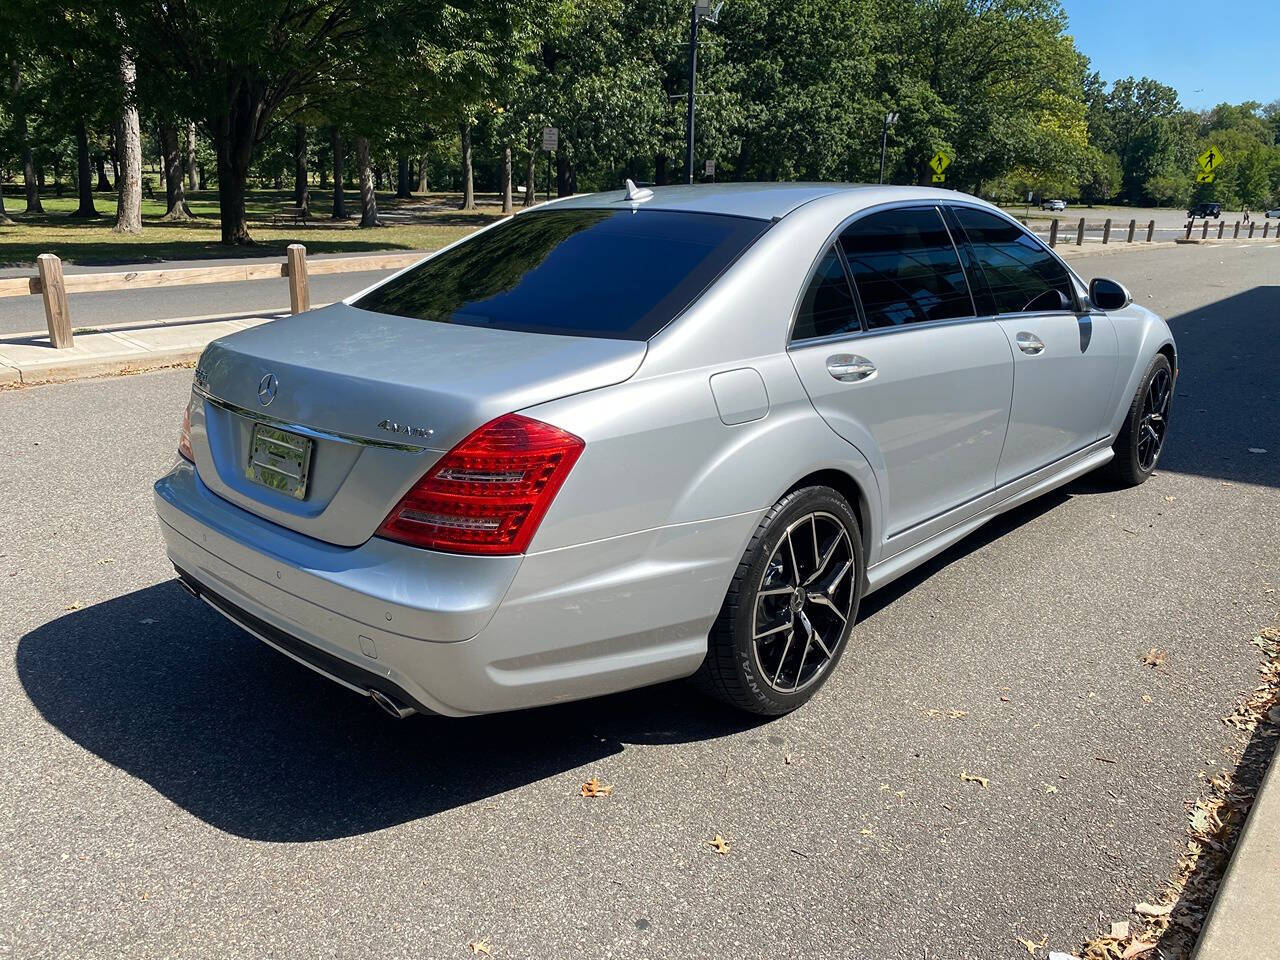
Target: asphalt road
(171,788)
(258,297)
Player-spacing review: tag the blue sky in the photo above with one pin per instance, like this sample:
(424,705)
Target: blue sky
(1209,52)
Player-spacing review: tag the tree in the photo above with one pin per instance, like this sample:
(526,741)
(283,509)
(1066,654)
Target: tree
(129,140)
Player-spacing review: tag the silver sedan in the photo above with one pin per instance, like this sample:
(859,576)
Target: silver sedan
(648,434)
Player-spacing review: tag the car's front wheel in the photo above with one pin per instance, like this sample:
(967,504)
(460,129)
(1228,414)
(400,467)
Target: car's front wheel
(790,607)
(1141,439)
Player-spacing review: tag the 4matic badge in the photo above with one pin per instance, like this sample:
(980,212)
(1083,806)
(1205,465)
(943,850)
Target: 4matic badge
(392,426)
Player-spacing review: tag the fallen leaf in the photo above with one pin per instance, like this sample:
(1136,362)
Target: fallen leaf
(1050,788)
(594,788)
(866,832)
(480,946)
(1032,946)
(958,714)
(1170,499)
(72,606)
(718,843)
(1004,699)
(1119,929)
(1155,657)
(1152,910)
(1137,948)
(106,560)
(968,777)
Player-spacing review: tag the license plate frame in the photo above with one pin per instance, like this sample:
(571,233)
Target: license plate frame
(280,460)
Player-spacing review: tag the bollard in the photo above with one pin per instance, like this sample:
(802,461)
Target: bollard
(1106,230)
(1053,233)
(1222,225)
(1190,224)
(1204,231)
(56,312)
(1265,227)
(1151,231)
(299,290)
(1252,224)
(1133,225)
(1080,233)
(1236,235)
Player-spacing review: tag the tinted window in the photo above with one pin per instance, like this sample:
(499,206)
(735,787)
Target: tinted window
(588,273)
(905,268)
(1020,274)
(827,307)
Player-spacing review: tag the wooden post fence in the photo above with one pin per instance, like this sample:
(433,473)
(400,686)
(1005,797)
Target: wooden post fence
(1190,224)
(1151,231)
(1080,233)
(1106,230)
(1053,232)
(1222,225)
(56,312)
(1252,224)
(1204,231)
(1133,225)
(1236,235)
(299,289)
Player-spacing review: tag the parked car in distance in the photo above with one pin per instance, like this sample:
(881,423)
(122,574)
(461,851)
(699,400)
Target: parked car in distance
(634,436)
(1057,206)
(1273,213)
(1206,210)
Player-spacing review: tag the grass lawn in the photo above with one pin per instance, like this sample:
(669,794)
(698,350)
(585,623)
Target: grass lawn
(433,221)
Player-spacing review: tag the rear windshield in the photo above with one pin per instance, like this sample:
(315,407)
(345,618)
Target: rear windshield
(617,274)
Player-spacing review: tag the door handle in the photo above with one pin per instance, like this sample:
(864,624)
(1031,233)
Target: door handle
(1030,344)
(850,368)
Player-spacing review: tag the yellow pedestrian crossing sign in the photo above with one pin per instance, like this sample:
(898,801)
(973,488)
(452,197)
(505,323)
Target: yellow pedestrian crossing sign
(1204,176)
(939,178)
(1209,161)
(939,161)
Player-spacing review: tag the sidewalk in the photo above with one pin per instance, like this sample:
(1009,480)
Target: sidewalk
(1244,923)
(117,349)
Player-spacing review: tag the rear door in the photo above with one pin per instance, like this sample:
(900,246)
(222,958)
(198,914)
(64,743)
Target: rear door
(1064,356)
(900,365)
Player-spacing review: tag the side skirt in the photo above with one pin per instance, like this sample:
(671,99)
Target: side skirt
(893,567)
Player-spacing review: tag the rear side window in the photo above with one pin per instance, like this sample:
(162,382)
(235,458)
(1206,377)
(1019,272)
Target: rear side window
(905,268)
(1020,275)
(827,307)
(617,274)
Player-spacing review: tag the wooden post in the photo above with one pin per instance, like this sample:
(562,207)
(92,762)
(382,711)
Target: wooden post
(1106,230)
(1151,231)
(1190,224)
(56,311)
(1222,225)
(1080,233)
(299,290)
(1266,227)
(1053,232)
(1133,225)
(1236,235)
(1204,230)
(1252,224)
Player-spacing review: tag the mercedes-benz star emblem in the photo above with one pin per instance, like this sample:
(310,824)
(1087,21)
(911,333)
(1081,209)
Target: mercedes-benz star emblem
(267,388)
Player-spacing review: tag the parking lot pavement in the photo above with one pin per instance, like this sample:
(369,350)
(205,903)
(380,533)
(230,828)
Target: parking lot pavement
(171,788)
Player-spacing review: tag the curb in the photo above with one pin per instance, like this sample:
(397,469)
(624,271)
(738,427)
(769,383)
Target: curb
(1245,918)
(107,367)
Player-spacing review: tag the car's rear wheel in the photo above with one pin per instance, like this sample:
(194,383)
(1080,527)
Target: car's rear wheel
(790,607)
(1141,439)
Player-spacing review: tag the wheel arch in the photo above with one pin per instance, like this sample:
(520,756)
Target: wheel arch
(849,488)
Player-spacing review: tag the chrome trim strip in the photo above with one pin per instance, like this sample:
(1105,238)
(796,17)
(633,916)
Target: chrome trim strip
(305,430)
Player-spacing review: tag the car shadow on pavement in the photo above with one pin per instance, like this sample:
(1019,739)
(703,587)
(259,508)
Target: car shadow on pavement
(1227,399)
(257,745)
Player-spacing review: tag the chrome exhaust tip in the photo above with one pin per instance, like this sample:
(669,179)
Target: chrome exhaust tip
(391,705)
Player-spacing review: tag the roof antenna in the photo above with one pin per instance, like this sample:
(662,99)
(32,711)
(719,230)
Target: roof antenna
(637,194)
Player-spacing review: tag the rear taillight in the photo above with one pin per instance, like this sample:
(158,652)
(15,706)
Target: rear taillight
(489,493)
(184,438)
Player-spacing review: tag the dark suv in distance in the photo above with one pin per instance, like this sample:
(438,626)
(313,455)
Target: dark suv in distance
(1205,210)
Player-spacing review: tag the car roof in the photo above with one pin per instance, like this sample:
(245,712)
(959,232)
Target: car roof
(765,201)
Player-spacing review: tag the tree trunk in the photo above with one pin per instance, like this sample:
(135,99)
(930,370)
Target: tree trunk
(531,175)
(129,186)
(29,177)
(84,174)
(235,133)
(171,156)
(322,164)
(202,177)
(191,157)
(564,175)
(104,185)
(368,196)
(422,174)
(403,188)
(4,217)
(660,175)
(468,177)
(114,151)
(339,201)
(506,179)
(301,192)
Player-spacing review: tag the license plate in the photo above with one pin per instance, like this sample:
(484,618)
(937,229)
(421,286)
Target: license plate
(280,460)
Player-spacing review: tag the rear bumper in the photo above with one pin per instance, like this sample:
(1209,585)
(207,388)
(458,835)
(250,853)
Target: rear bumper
(459,635)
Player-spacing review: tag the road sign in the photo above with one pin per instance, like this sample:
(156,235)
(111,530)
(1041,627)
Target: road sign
(1210,160)
(550,138)
(1204,176)
(711,168)
(939,178)
(939,161)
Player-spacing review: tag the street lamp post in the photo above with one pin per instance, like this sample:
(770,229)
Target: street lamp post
(889,120)
(702,10)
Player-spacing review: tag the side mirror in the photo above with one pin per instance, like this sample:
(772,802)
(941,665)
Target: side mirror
(1108,295)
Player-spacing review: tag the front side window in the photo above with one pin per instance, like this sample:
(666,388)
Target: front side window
(617,274)
(827,307)
(905,268)
(1020,275)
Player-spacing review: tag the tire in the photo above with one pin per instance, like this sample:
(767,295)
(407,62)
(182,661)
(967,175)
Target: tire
(755,676)
(1134,461)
